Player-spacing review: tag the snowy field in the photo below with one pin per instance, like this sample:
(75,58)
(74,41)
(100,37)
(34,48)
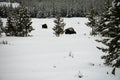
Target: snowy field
(47,57)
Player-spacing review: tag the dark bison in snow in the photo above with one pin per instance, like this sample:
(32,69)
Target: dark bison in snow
(44,26)
(70,31)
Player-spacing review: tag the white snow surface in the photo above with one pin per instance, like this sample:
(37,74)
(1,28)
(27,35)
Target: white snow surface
(47,57)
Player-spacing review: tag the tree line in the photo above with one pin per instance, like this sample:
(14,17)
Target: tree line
(66,8)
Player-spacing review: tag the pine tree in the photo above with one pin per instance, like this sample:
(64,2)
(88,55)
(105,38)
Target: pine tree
(104,18)
(10,28)
(107,4)
(59,26)
(18,24)
(92,20)
(1,25)
(23,22)
(110,29)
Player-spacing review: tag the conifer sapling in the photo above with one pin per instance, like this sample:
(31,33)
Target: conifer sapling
(59,26)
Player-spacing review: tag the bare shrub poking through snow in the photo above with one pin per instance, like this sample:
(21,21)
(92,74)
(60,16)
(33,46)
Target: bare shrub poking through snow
(4,42)
(80,75)
(71,55)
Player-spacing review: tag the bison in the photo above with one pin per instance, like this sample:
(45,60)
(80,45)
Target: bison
(70,31)
(44,26)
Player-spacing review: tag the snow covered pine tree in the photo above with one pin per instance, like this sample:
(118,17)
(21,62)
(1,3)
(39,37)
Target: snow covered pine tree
(92,21)
(10,28)
(1,25)
(110,29)
(23,22)
(59,26)
(18,24)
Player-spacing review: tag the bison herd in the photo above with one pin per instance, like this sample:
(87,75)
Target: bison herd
(67,31)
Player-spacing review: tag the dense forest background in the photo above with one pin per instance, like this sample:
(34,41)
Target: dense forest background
(50,8)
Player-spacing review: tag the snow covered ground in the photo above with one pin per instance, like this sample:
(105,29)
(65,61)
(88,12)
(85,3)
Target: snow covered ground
(47,57)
